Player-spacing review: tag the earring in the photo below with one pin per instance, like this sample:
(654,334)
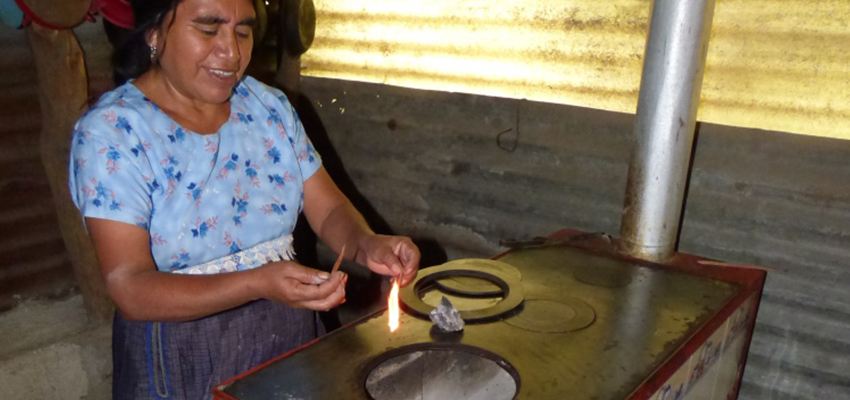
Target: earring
(153,54)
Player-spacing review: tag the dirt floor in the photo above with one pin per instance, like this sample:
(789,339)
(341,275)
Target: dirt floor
(50,351)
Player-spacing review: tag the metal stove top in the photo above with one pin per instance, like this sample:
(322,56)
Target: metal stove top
(592,326)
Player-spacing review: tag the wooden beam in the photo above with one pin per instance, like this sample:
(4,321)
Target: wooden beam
(63,93)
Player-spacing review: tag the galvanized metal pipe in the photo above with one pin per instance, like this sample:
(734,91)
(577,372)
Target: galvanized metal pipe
(666,116)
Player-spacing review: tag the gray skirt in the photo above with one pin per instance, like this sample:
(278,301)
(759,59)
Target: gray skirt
(185,360)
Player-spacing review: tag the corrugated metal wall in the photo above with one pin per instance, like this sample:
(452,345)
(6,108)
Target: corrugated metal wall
(433,166)
(772,64)
(33,259)
(781,201)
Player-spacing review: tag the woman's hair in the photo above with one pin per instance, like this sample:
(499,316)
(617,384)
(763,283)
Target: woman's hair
(132,57)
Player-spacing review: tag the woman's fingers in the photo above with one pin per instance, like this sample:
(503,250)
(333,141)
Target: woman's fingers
(304,291)
(396,256)
(409,256)
(303,274)
(388,257)
(301,287)
(336,298)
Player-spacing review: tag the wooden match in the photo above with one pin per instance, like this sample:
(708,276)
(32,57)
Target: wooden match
(339,260)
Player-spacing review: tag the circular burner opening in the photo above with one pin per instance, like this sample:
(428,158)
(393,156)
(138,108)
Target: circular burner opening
(432,296)
(472,286)
(440,372)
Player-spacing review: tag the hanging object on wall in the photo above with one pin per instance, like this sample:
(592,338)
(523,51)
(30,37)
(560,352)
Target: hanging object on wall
(11,14)
(55,14)
(117,12)
(262,21)
(299,25)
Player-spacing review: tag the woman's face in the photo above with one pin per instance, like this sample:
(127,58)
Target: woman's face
(205,50)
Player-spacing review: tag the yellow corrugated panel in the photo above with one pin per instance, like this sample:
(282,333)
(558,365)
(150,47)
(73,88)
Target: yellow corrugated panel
(780,65)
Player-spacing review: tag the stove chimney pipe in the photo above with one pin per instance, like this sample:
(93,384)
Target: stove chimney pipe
(673,68)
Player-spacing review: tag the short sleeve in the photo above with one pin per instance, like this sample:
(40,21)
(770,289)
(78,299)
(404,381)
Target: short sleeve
(305,153)
(110,176)
(283,113)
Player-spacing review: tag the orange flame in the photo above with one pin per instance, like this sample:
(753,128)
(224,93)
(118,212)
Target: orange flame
(392,302)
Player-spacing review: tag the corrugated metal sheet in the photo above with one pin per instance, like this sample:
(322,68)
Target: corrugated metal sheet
(772,64)
(781,201)
(33,261)
(430,164)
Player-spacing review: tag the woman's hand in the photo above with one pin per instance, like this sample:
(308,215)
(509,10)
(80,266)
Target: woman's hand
(300,287)
(337,223)
(395,256)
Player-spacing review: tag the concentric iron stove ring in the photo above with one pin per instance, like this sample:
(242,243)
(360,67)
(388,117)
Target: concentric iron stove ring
(513,292)
(468,289)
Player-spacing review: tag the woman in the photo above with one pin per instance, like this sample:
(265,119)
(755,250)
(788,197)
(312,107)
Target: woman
(190,178)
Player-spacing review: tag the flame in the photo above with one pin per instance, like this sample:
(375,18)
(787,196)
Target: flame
(392,303)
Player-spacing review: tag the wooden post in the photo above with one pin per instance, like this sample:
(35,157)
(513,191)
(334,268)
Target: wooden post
(63,92)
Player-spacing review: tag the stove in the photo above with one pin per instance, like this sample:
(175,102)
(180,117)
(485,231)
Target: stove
(567,318)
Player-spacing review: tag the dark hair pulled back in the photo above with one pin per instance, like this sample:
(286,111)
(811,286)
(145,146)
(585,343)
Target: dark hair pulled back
(132,55)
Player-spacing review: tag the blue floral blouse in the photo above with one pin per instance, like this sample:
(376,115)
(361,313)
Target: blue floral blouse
(201,197)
